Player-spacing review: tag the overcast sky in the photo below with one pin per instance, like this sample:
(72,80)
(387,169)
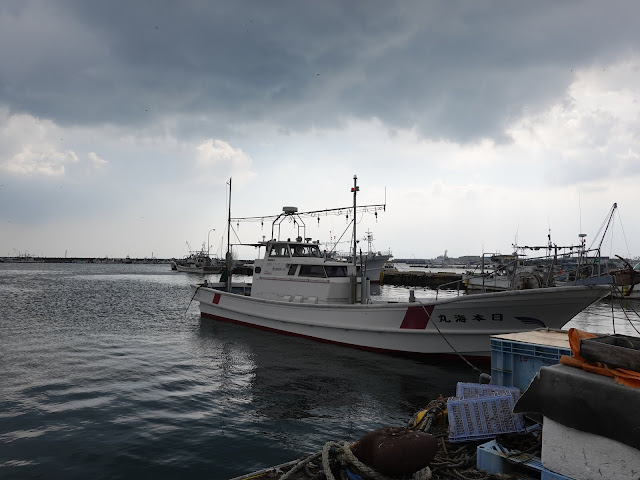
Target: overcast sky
(483,123)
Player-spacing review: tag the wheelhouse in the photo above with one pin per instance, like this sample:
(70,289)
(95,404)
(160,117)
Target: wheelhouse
(301,271)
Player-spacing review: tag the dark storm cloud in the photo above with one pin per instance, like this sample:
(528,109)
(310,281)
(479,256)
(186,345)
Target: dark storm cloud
(459,71)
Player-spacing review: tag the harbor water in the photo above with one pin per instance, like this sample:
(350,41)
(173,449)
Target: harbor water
(108,371)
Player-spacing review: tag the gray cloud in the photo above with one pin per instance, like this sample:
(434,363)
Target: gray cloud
(458,71)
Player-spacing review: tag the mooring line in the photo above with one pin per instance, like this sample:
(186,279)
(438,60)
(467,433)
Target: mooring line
(474,368)
(194,296)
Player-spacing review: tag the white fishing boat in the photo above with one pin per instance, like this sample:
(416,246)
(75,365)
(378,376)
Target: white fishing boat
(198,262)
(199,266)
(22,258)
(560,266)
(298,290)
(627,281)
(373,261)
(374,264)
(389,267)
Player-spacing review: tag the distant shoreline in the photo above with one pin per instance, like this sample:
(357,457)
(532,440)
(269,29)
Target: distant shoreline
(30,260)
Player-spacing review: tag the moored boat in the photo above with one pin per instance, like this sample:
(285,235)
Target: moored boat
(461,324)
(298,290)
(373,261)
(198,262)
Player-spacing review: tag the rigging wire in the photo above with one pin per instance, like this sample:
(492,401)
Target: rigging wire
(611,237)
(604,227)
(335,245)
(613,316)
(233,230)
(624,235)
(625,311)
(623,308)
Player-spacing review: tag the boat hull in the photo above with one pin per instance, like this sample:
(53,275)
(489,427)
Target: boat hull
(195,269)
(461,324)
(374,265)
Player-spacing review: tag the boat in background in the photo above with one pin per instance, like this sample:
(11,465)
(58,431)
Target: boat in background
(372,262)
(626,281)
(561,266)
(198,262)
(389,267)
(22,258)
(297,289)
(509,272)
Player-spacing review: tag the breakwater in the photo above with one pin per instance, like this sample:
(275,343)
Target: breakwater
(99,260)
(447,280)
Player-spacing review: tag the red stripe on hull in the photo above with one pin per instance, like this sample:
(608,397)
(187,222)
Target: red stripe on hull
(343,344)
(417,318)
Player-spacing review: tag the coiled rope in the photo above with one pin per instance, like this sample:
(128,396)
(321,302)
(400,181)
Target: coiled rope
(457,464)
(344,455)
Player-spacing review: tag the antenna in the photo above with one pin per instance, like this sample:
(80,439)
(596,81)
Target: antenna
(580,211)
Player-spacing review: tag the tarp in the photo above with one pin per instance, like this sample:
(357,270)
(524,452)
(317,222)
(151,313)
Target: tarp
(623,376)
(584,401)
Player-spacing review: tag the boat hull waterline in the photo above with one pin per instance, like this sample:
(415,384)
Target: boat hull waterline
(194,269)
(460,324)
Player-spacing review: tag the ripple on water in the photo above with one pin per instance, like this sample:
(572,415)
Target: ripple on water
(109,372)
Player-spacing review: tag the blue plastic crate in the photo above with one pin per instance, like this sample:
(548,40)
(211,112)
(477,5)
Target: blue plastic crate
(466,390)
(493,458)
(514,364)
(478,418)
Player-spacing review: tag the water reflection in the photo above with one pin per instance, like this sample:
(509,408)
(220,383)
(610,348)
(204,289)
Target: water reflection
(296,378)
(609,316)
(110,372)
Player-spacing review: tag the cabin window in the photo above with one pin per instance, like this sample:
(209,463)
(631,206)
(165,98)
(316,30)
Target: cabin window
(312,271)
(300,250)
(305,251)
(279,251)
(336,271)
(292,269)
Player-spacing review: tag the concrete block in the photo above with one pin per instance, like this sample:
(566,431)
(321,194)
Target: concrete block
(585,456)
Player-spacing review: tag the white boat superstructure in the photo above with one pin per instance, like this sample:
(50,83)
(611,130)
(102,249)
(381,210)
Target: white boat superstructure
(297,290)
(299,272)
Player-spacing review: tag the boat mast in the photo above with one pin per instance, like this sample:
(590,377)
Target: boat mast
(355,190)
(228,256)
(369,238)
